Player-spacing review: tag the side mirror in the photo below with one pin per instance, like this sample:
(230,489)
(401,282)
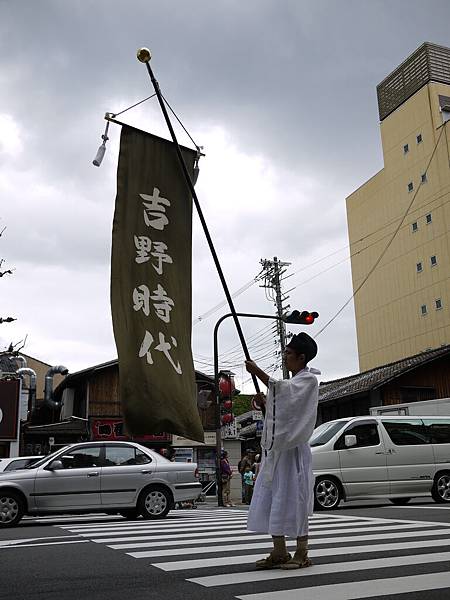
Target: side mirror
(350,440)
(54,465)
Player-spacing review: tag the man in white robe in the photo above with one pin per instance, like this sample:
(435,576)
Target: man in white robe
(283,495)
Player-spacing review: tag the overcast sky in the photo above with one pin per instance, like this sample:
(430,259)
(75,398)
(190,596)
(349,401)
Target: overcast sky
(282,96)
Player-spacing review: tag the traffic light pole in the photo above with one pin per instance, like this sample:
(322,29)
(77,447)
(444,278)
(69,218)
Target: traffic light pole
(217,395)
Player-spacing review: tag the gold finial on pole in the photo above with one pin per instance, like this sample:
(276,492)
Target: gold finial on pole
(144,55)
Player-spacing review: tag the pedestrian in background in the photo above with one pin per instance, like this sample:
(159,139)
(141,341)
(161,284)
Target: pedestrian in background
(249,479)
(226,474)
(247,460)
(283,494)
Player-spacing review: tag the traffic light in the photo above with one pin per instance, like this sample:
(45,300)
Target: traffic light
(226,392)
(300,318)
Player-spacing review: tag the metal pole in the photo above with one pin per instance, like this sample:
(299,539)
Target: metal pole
(217,413)
(201,217)
(217,396)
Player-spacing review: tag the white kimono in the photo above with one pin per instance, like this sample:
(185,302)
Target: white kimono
(283,495)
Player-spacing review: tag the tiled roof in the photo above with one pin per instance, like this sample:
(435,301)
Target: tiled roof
(370,380)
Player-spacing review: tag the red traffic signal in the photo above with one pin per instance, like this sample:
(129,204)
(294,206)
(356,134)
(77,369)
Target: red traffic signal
(301,318)
(309,318)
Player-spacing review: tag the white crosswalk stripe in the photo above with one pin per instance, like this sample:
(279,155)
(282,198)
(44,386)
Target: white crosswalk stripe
(213,549)
(358,527)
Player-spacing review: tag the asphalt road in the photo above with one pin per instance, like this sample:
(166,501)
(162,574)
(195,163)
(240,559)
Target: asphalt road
(363,550)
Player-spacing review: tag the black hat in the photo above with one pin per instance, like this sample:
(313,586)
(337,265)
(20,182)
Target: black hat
(303,344)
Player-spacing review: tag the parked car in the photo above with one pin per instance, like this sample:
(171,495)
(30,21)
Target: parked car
(17,462)
(380,457)
(111,477)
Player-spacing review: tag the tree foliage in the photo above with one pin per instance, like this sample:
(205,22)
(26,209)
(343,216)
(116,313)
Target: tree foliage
(242,404)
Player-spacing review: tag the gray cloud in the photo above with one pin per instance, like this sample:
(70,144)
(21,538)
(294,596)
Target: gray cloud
(289,85)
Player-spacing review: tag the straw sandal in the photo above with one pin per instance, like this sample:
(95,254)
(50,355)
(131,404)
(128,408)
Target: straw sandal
(294,564)
(300,559)
(273,562)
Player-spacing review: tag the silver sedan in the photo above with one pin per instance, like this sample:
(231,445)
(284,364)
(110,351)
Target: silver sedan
(115,477)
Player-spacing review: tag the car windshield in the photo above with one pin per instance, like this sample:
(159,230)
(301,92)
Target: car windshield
(40,462)
(323,434)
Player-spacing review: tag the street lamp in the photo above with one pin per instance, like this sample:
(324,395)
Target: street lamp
(295,317)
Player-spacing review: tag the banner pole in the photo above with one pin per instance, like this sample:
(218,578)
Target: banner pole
(145,56)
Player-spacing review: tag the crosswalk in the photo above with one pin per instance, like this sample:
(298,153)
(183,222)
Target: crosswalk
(354,557)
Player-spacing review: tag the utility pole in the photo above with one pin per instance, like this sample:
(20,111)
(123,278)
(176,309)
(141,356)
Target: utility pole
(272,275)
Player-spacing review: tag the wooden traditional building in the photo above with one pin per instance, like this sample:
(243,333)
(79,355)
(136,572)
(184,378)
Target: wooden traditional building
(88,408)
(421,377)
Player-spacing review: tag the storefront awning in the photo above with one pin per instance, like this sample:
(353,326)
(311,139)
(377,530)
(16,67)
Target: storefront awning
(72,426)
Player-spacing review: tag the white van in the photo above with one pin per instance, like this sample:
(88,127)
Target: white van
(377,457)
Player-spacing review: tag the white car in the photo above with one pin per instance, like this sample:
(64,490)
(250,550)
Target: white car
(17,462)
(108,477)
(380,457)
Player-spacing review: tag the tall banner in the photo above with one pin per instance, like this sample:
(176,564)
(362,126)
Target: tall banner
(151,288)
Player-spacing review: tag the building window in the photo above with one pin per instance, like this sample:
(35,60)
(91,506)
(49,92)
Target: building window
(423,178)
(423,309)
(419,138)
(419,267)
(405,149)
(410,186)
(433,261)
(428,218)
(438,303)
(414,226)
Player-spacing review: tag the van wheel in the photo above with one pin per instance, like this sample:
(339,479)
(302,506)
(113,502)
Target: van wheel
(441,488)
(11,509)
(327,493)
(155,502)
(399,501)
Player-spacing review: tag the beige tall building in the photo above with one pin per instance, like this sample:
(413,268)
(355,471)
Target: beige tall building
(404,306)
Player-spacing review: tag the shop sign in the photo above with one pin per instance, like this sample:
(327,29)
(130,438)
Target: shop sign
(184,454)
(259,428)
(114,430)
(229,430)
(209,440)
(9,405)
(257,415)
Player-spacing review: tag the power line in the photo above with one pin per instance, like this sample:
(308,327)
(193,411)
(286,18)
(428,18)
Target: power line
(238,292)
(374,243)
(249,284)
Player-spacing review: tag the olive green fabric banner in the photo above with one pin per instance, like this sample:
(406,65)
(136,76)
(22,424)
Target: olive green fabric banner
(151,288)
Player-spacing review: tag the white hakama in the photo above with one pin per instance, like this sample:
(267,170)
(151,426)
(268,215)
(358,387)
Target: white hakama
(283,495)
(283,505)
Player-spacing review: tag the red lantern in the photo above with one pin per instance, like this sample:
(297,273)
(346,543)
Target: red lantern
(228,404)
(226,386)
(227,418)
